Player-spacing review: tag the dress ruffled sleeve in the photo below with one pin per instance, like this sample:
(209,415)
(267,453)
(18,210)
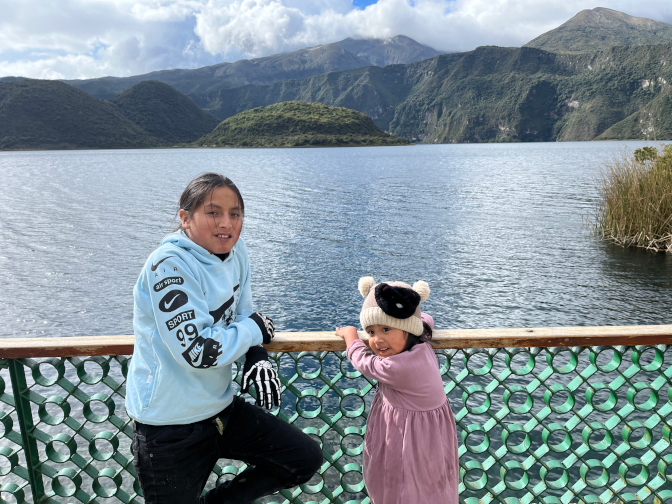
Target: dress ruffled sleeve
(366,362)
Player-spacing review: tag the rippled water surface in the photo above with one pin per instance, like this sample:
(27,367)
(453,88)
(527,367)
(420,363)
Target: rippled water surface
(498,231)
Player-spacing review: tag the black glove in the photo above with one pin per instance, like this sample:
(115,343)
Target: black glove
(266,325)
(259,372)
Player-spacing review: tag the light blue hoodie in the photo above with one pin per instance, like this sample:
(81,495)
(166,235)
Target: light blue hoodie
(191,323)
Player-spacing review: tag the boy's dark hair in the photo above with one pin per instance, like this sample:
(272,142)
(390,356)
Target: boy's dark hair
(198,189)
(423,338)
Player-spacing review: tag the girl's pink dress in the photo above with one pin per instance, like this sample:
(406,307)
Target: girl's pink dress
(410,446)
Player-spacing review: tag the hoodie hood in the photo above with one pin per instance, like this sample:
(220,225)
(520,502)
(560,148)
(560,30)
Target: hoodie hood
(180,239)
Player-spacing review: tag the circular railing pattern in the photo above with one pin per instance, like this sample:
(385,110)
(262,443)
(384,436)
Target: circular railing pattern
(551,425)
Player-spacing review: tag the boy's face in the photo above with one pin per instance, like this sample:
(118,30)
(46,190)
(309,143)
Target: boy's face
(386,341)
(216,224)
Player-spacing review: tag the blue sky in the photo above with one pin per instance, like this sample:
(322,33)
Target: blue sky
(360,4)
(75,39)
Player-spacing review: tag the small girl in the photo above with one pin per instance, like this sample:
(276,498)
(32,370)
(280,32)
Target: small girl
(410,446)
(193,318)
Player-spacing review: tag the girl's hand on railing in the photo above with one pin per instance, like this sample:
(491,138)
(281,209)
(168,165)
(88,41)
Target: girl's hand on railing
(348,333)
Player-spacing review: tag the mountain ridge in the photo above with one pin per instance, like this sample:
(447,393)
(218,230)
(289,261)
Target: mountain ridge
(298,64)
(600,28)
(491,94)
(382,52)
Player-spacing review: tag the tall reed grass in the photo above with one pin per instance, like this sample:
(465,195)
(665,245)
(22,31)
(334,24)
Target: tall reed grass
(635,206)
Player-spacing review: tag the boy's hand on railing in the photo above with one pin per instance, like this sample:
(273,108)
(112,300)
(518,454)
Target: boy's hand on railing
(348,333)
(259,372)
(266,326)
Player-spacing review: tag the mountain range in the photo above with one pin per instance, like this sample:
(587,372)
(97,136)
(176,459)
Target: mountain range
(203,82)
(601,75)
(489,94)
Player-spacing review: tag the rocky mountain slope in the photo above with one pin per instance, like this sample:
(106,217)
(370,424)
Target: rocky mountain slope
(343,55)
(393,51)
(599,29)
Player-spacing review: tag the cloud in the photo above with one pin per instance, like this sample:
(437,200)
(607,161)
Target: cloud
(59,67)
(92,38)
(261,27)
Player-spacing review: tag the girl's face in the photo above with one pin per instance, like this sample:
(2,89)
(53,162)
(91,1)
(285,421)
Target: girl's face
(216,224)
(386,341)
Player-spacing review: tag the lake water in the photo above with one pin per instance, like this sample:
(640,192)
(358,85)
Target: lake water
(499,231)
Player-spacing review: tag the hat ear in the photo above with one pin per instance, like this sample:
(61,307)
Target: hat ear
(365,284)
(397,301)
(421,288)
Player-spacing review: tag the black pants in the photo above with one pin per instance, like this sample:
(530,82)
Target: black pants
(173,462)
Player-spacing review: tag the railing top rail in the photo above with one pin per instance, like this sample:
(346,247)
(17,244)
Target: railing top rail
(15,348)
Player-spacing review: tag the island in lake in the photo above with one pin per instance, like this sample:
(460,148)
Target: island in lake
(298,124)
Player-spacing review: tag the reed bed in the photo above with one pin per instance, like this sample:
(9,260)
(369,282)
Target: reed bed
(635,205)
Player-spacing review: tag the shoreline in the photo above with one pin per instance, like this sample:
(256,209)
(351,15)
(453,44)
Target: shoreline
(411,144)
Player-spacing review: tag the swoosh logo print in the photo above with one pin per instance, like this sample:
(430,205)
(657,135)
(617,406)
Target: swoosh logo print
(173,300)
(198,360)
(219,312)
(154,266)
(203,352)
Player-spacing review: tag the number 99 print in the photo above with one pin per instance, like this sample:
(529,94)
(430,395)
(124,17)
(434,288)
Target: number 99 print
(189,333)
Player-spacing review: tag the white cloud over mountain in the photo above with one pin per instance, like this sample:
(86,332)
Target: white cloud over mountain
(92,38)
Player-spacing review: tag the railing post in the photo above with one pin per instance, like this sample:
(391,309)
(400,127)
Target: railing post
(25,414)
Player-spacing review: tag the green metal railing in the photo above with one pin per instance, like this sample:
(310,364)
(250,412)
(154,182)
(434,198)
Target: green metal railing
(541,418)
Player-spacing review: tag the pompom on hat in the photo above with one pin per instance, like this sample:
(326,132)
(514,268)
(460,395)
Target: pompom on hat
(393,304)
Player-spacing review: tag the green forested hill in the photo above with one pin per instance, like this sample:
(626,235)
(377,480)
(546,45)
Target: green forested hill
(600,28)
(489,94)
(164,112)
(41,114)
(298,124)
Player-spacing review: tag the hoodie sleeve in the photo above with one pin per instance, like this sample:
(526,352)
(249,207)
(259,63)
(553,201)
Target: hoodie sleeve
(185,324)
(366,362)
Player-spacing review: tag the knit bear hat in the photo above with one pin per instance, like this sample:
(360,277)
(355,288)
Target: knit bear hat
(393,304)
